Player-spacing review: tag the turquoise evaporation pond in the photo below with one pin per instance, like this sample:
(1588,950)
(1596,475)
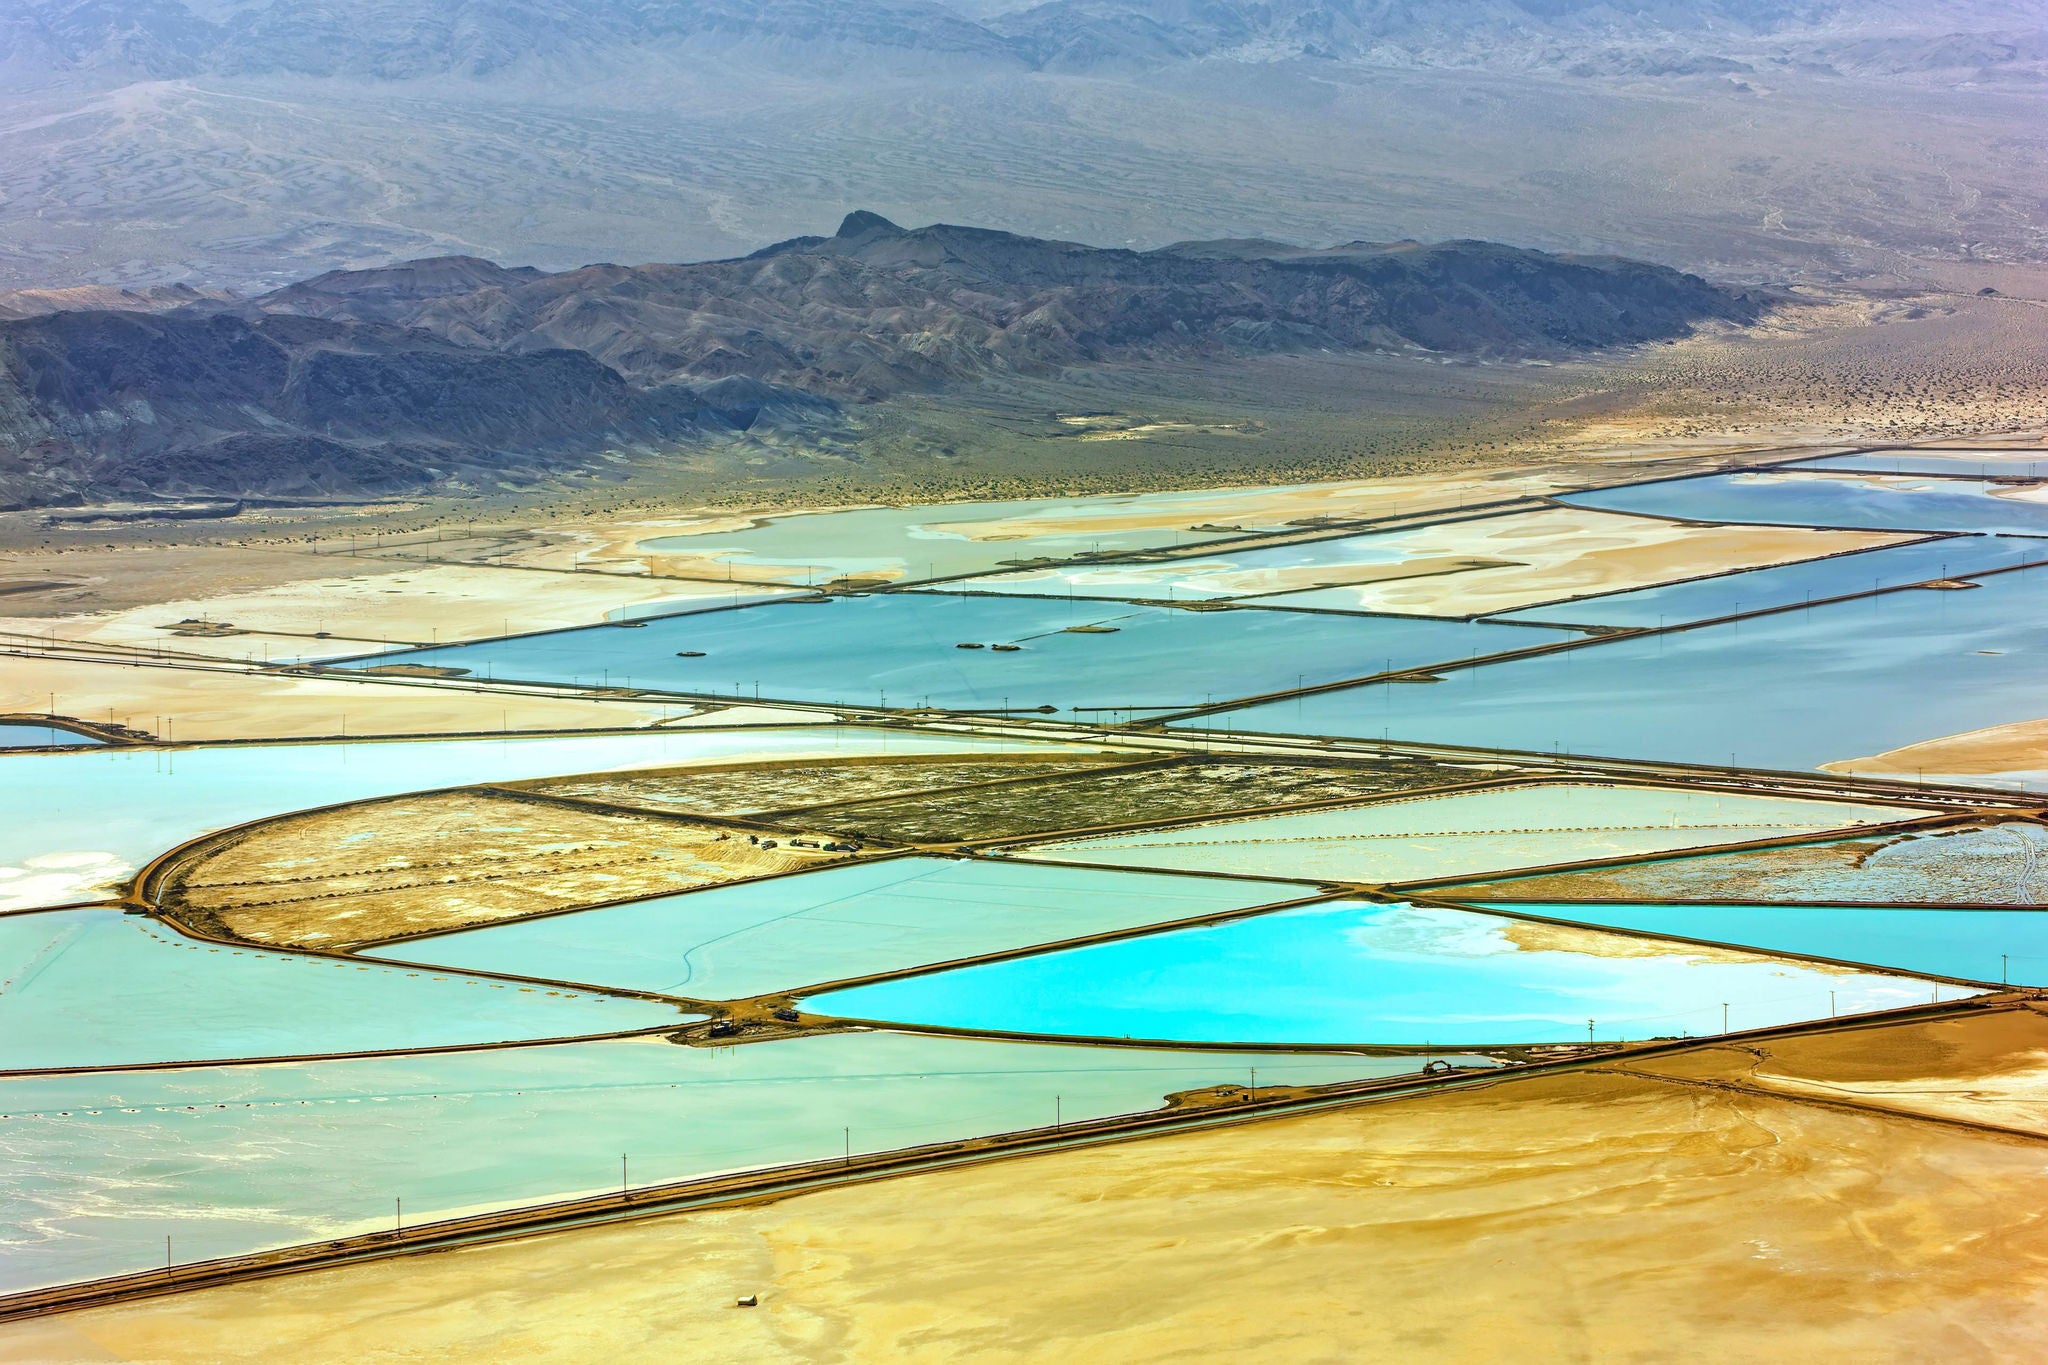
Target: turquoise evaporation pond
(42,737)
(909,541)
(1985,464)
(74,825)
(1875,502)
(100,988)
(1789,691)
(1352,972)
(1961,943)
(95,1171)
(903,647)
(1707,599)
(857,920)
(1195,580)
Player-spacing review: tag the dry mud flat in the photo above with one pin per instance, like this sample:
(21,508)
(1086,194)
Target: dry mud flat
(355,605)
(378,869)
(215,702)
(1182,790)
(1591,1216)
(751,788)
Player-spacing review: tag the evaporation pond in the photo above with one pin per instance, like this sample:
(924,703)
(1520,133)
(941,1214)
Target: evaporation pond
(1792,690)
(1448,836)
(1977,945)
(98,1170)
(973,537)
(14,736)
(1874,501)
(1984,464)
(2000,864)
(74,825)
(903,649)
(82,988)
(1349,972)
(1705,599)
(830,925)
(1228,572)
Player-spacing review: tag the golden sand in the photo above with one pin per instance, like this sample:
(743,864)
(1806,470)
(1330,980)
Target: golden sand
(1585,1218)
(413,864)
(2021,746)
(1990,1068)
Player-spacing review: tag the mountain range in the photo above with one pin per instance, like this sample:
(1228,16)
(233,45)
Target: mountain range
(410,39)
(248,143)
(460,373)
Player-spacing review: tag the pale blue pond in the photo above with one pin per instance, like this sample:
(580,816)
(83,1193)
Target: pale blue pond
(1707,599)
(859,920)
(1789,691)
(1351,972)
(100,988)
(1976,945)
(13,736)
(957,538)
(95,1171)
(902,649)
(1984,464)
(1876,502)
(74,826)
(1430,838)
(1227,573)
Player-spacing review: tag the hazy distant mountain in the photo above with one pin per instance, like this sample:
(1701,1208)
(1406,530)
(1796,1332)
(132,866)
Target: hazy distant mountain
(457,371)
(407,39)
(244,143)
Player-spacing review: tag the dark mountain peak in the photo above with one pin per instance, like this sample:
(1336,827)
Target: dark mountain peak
(427,278)
(861,223)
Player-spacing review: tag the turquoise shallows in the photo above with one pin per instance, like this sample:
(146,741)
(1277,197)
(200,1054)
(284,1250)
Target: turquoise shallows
(1351,972)
(15,736)
(1707,599)
(1977,945)
(958,538)
(95,1171)
(1870,502)
(100,988)
(902,649)
(858,920)
(1789,691)
(73,826)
